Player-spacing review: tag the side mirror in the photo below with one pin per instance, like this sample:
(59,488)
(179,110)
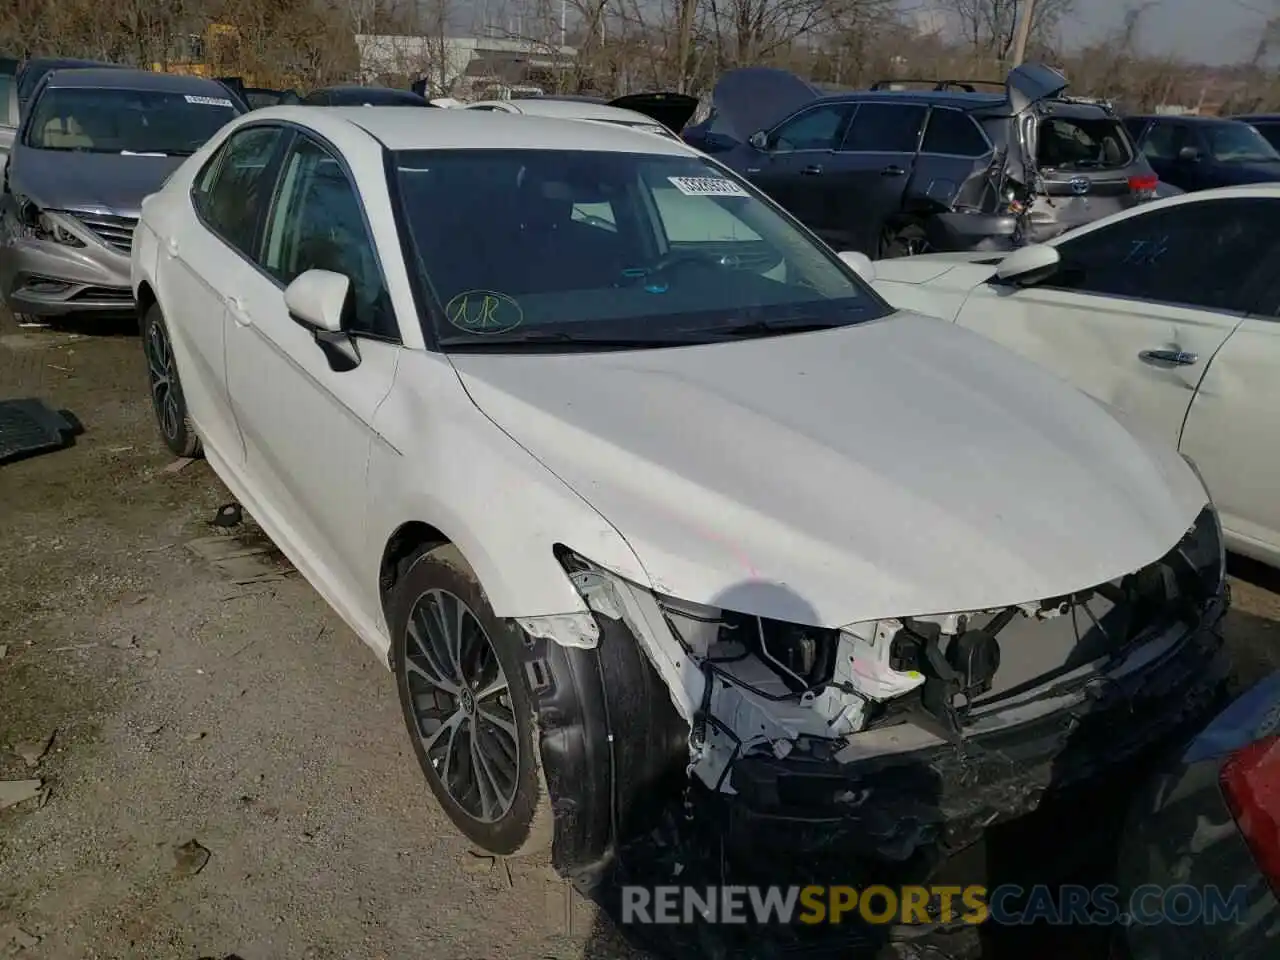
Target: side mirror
(860,263)
(1029,265)
(1189,155)
(317,300)
(759,140)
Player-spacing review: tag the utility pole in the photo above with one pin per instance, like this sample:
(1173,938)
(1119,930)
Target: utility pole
(1023,32)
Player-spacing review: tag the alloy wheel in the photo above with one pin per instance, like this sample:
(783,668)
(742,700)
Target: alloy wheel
(461,705)
(164,390)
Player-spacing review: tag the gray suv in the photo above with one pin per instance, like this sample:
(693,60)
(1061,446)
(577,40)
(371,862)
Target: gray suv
(891,172)
(91,145)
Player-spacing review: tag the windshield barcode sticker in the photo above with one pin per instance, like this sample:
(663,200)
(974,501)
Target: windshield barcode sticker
(208,101)
(707,187)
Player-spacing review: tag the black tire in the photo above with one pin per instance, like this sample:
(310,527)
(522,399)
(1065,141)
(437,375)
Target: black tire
(526,825)
(167,401)
(903,239)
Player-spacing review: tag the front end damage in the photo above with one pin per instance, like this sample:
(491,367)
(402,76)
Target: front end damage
(895,741)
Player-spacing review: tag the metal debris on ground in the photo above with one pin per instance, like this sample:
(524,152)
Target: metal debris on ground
(228,515)
(477,863)
(33,751)
(189,859)
(178,465)
(243,558)
(13,792)
(15,938)
(4,649)
(29,427)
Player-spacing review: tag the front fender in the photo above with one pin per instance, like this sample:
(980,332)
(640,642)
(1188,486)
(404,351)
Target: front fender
(446,464)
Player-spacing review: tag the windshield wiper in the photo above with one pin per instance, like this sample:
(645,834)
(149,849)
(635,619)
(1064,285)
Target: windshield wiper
(764,328)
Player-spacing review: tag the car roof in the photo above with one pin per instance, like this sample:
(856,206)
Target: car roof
(355,92)
(940,98)
(573,109)
(1181,118)
(1250,117)
(118,79)
(400,129)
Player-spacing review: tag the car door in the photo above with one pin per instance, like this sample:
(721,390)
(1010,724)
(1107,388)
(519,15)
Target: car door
(306,426)
(1233,427)
(871,172)
(205,259)
(792,167)
(1137,309)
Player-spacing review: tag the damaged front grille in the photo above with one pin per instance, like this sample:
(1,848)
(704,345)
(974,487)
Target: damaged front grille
(115,231)
(891,687)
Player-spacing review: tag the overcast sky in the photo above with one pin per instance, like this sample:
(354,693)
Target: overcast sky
(1211,31)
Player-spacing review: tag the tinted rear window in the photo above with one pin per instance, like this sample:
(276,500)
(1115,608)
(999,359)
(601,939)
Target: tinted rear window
(1083,143)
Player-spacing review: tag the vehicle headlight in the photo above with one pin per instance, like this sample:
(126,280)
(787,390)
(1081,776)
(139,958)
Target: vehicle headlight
(52,227)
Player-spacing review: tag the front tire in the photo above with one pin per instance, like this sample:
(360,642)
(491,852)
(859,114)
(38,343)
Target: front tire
(466,705)
(166,389)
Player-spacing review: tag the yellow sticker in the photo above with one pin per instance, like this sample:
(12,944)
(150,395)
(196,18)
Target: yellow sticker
(483,311)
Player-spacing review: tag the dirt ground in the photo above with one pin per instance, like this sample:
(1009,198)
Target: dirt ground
(245,717)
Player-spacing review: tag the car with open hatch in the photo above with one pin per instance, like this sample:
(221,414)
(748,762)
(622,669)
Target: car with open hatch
(633,482)
(895,172)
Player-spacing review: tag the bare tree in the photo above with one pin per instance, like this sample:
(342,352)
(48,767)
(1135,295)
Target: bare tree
(990,27)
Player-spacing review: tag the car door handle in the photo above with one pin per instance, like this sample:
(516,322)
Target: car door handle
(1178,357)
(893,170)
(235,307)
(813,170)
(172,246)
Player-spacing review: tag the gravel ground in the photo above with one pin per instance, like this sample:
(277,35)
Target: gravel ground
(246,718)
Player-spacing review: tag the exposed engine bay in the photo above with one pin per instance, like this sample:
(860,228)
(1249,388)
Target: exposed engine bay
(750,686)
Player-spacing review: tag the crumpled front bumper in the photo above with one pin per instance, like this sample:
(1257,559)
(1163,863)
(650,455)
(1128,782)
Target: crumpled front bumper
(941,799)
(49,279)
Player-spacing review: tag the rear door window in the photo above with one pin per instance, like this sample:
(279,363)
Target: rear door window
(1083,143)
(885,128)
(953,133)
(232,192)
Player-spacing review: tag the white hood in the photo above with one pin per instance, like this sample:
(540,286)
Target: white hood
(901,467)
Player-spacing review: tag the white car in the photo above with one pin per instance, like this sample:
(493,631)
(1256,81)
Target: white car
(1169,313)
(634,483)
(573,108)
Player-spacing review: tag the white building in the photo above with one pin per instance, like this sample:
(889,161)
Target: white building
(451,63)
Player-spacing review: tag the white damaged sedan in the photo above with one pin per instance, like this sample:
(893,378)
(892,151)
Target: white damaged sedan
(634,482)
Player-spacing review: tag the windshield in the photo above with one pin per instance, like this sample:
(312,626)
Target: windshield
(1082,143)
(126,121)
(1238,143)
(602,247)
